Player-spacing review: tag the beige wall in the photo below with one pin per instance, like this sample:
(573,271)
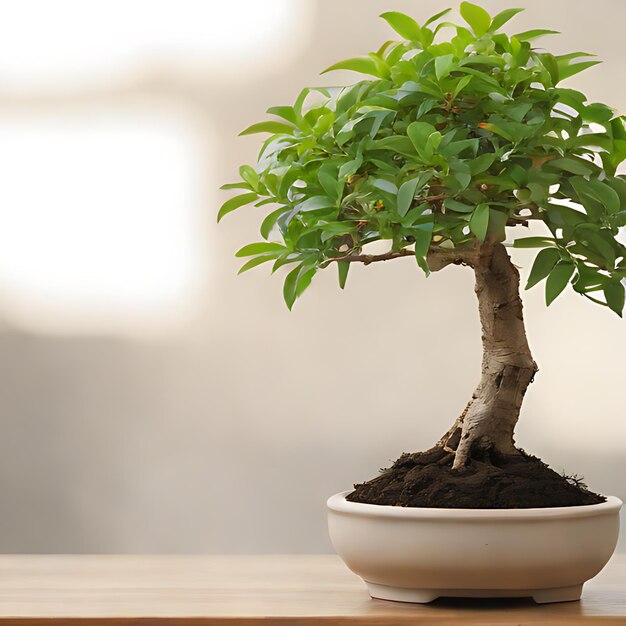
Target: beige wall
(226,431)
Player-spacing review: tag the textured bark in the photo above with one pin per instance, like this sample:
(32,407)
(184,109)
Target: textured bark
(489,419)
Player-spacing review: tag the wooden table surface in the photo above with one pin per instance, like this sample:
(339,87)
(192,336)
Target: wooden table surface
(242,590)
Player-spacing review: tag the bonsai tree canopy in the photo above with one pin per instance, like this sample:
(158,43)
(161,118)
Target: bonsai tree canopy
(443,146)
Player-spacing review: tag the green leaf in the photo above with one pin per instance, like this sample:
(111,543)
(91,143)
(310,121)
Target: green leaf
(614,294)
(588,279)
(342,269)
(596,190)
(379,118)
(619,186)
(249,174)
(350,168)
(404,25)
(304,280)
(384,185)
(606,195)
(432,143)
(269,222)
(513,131)
(517,112)
(332,229)
(296,282)
(406,193)
(527,35)
(286,259)
(328,175)
(418,133)
(443,65)
(435,17)
(299,104)
(462,84)
(481,77)
(268,127)
(455,148)
(248,265)
(558,279)
(265,201)
(315,203)
(235,203)
(481,163)
(241,185)
(538,192)
(549,62)
(476,17)
(323,124)
(575,68)
(596,242)
(270,200)
(423,234)
(261,247)
(362,65)
(574,166)
(597,112)
(286,112)
(502,18)
(459,207)
(381,65)
(543,265)
(289,287)
(480,221)
(564,59)
(533,242)
(619,219)
(461,180)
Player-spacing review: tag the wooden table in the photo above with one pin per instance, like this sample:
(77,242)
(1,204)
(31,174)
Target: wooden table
(243,590)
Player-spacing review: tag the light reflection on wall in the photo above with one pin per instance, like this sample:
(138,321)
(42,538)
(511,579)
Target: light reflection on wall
(97,220)
(46,43)
(103,200)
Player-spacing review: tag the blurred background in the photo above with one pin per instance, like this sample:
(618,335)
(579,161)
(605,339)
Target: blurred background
(151,401)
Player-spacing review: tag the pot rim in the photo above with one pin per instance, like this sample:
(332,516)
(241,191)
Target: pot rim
(339,504)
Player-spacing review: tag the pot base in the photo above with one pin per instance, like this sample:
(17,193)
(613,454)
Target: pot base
(423,596)
(421,554)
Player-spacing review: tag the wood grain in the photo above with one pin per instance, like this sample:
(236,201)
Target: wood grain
(243,590)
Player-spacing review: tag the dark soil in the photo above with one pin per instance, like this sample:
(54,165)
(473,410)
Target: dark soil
(426,479)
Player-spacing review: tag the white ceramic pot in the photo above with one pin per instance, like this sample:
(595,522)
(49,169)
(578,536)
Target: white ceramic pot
(419,554)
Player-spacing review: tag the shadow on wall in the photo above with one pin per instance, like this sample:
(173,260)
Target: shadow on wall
(110,452)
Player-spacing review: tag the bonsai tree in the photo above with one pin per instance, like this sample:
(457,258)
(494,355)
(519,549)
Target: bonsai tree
(450,150)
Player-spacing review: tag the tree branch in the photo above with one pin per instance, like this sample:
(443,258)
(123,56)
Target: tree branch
(366,259)
(441,196)
(437,258)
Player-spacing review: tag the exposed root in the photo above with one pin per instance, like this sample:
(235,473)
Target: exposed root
(462,453)
(446,441)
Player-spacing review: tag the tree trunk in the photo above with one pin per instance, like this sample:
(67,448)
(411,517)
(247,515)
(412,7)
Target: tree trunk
(488,421)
